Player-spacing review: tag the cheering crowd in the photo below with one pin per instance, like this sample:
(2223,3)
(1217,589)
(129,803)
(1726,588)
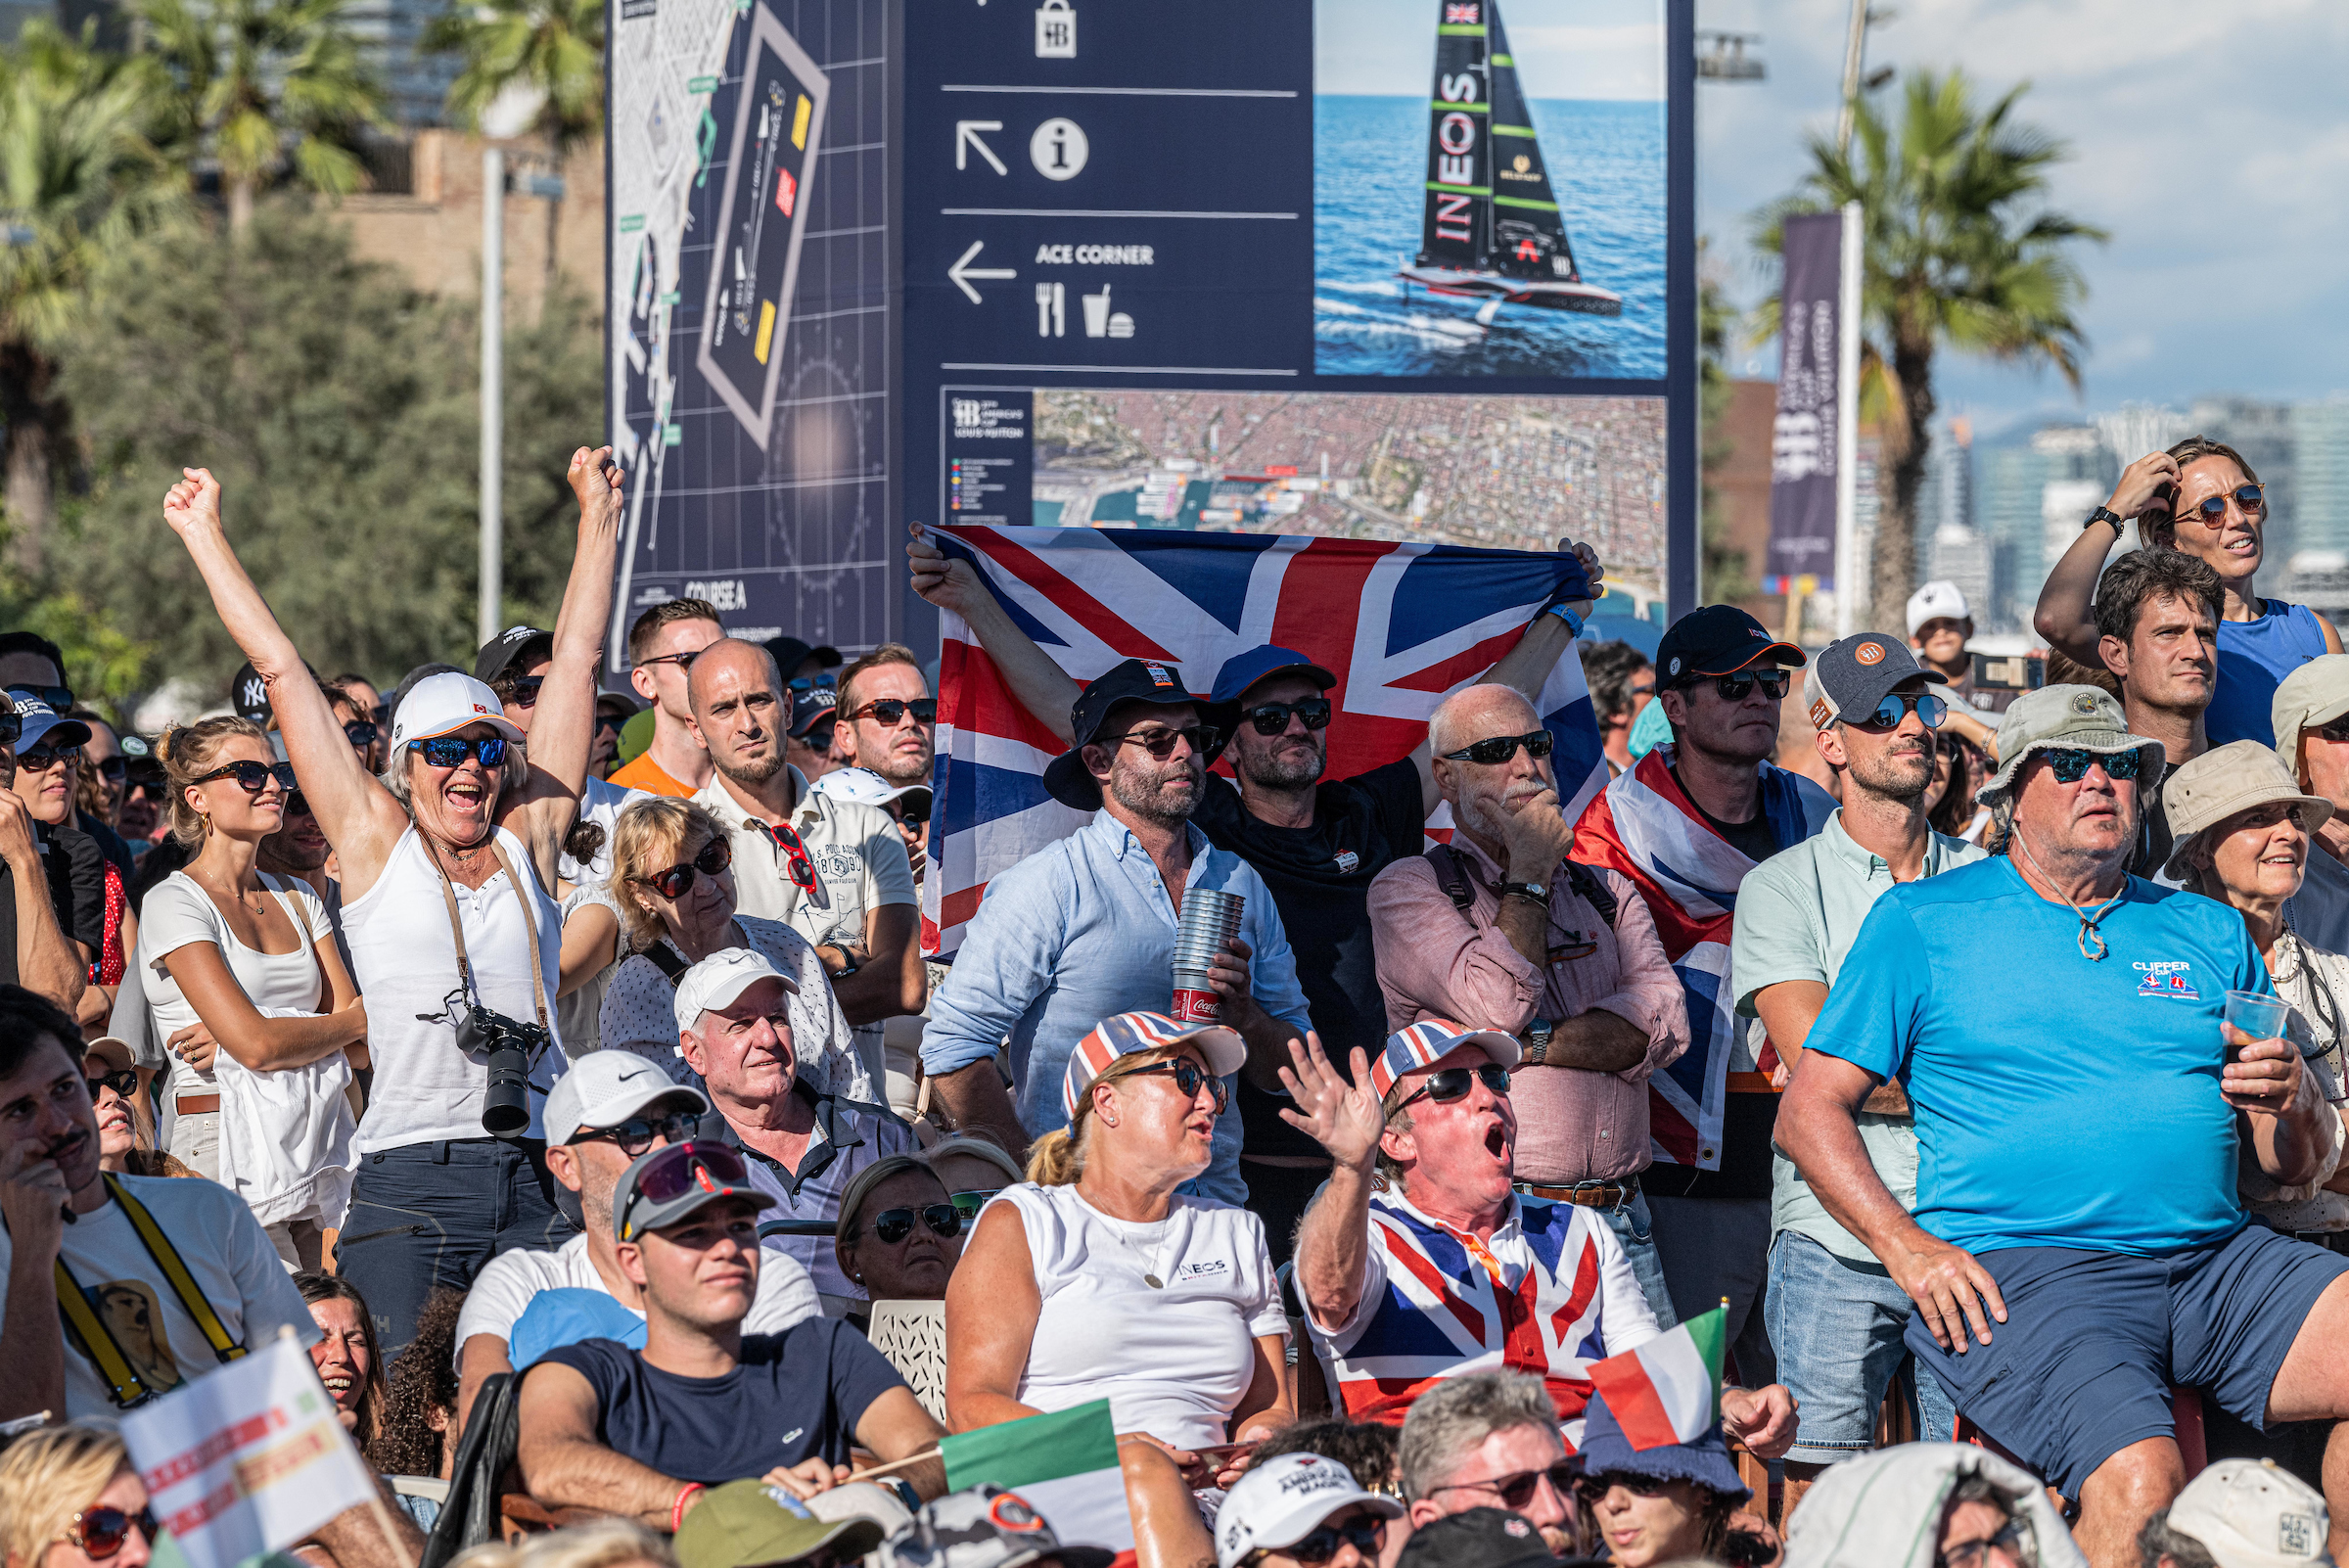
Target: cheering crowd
(564,1069)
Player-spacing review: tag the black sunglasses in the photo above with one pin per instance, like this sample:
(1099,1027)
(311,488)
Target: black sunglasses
(1187,1080)
(889,710)
(2070,763)
(1368,1533)
(450,750)
(1592,1488)
(1501,748)
(968,1204)
(677,881)
(523,690)
(1450,1083)
(2338,731)
(1273,719)
(636,1135)
(251,777)
(111,768)
(100,1532)
(12,726)
(1898,705)
(360,733)
(1517,1489)
(615,723)
(683,661)
(1160,742)
(1739,686)
(893,1225)
(41,759)
(2252,498)
(58,696)
(124,1082)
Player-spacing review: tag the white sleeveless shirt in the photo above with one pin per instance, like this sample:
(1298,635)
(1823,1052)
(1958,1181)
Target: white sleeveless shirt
(405,963)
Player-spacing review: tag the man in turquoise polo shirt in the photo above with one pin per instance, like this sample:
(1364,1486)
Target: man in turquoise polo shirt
(2078,1246)
(1836,1315)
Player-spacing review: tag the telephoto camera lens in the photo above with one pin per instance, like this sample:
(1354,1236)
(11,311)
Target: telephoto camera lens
(506,1109)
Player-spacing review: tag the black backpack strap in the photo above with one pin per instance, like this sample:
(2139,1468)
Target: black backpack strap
(1588,884)
(668,961)
(1592,887)
(1449,877)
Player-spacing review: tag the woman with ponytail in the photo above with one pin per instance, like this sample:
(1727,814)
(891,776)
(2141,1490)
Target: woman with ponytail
(250,996)
(1098,1277)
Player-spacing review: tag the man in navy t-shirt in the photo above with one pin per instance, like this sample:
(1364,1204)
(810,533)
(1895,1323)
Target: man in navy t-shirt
(2078,1246)
(643,1432)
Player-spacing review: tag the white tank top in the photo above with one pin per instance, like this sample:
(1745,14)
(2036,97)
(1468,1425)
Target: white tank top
(405,963)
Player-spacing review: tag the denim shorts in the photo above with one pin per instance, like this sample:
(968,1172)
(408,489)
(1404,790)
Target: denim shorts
(2093,1342)
(1836,1325)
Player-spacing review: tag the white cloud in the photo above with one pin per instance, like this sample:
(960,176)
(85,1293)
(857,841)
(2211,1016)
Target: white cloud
(1570,62)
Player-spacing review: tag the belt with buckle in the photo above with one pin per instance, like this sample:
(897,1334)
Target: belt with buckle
(1610,1194)
(196,1104)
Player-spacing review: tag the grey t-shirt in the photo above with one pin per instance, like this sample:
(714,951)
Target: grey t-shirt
(1797,913)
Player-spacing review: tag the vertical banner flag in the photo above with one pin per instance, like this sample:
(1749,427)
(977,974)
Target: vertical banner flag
(1401,625)
(1803,442)
(247,1459)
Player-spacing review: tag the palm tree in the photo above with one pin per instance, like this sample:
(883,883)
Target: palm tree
(268,87)
(80,177)
(550,52)
(1961,251)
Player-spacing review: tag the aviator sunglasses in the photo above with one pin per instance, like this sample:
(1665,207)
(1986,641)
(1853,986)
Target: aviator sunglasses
(1898,705)
(1452,1083)
(893,1225)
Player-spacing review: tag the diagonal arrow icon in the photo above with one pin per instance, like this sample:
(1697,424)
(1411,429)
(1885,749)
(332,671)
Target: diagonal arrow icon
(961,272)
(966,137)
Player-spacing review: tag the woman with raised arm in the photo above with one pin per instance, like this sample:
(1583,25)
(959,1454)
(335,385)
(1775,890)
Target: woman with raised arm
(449,861)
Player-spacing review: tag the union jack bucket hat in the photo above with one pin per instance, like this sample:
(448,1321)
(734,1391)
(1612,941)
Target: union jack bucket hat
(1428,1042)
(1128,1033)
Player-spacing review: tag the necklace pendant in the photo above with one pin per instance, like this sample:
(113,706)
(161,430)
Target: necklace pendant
(1154,1282)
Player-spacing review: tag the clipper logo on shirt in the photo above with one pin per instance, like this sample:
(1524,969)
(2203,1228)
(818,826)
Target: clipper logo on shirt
(2166,980)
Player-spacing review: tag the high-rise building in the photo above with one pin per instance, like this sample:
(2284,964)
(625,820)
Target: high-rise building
(2320,475)
(2017,514)
(388,32)
(1963,557)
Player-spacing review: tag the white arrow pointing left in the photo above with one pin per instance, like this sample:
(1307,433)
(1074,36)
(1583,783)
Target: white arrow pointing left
(961,272)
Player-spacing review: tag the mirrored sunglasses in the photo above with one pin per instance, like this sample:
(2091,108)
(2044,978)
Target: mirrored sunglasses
(2070,763)
(450,750)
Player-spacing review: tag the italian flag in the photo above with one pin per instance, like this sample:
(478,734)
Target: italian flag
(1065,1463)
(1668,1390)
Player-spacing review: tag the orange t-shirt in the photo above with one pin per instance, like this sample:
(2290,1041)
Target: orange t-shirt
(646,774)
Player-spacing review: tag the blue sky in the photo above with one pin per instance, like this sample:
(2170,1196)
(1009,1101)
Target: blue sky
(2211,140)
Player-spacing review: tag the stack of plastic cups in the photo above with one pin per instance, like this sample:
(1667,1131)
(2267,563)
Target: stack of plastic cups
(1210,919)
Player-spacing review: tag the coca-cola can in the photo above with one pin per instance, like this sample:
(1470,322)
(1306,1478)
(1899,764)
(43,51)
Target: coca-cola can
(1210,919)
(1196,999)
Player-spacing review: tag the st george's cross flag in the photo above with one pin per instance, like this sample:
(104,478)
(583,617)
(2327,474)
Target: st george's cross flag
(1668,1390)
(1401,625)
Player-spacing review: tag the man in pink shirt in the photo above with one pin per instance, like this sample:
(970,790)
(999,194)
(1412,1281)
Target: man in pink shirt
(1501,932)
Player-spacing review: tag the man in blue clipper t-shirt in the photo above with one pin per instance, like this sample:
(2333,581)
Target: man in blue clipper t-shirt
(2078,1246)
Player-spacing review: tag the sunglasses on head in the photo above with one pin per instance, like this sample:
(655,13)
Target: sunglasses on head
(677,881)
(893,1225)
(1900,704)
(100,1532)
(1366,1533)
(968,1204)
(2251,499)
(124,1082)
(1595,1487)
(1739,686)
(1517,1489)
(637,1134)
(2070,763)
(1160,742)
(1501,748)
(251,777)
(1449,1083)
(41,759)
(678,1168)
(1187,1079)
(523,690)
(450,750)
(1273,719)
(888,711)
(60,698)
(360,733)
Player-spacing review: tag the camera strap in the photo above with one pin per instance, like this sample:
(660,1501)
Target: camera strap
(456,926)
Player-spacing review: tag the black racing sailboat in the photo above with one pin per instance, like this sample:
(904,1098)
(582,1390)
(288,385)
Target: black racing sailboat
(1491,230)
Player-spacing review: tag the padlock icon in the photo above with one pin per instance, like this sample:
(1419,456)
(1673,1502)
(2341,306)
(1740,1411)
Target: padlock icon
(1055,31)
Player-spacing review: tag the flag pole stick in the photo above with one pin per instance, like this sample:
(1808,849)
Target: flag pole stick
(895,1465)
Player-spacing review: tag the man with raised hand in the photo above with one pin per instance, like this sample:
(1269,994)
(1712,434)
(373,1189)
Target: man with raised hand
(2078,1245)
(1835,1318)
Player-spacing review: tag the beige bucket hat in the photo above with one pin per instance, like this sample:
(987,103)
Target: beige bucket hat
(2223,781)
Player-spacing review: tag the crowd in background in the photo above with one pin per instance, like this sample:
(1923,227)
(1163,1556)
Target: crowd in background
(564,1068)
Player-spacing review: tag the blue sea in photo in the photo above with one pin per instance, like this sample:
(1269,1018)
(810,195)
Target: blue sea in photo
(1606,165)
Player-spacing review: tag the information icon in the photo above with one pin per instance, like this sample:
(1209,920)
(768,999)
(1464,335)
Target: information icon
(1058,149)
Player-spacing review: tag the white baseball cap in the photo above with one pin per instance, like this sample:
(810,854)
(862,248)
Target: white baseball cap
(2250,1513)
(1281,1501)
(865,787)
(604,1088)
(438,705)
(1938,600)
(722,977)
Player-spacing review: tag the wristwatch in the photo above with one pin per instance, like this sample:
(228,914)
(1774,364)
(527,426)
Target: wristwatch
(2105,514)
(1536,1050)
(850,963)
(1538,892)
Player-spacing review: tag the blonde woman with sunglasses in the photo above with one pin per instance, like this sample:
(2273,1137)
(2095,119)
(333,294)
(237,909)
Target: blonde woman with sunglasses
(2200,496)
(69,1498)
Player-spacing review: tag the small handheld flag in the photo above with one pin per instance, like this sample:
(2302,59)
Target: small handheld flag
(1668,1390)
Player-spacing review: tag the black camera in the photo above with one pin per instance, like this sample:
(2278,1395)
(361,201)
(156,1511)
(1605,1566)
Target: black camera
(512,1050)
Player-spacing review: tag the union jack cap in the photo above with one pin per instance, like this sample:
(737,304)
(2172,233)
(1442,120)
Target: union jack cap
(1128,1033)
(1428,1042)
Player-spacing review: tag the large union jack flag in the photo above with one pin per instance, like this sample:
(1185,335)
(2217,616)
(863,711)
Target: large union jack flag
(1400,626)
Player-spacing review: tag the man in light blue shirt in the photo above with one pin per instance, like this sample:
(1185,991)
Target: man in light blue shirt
(1084,928)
